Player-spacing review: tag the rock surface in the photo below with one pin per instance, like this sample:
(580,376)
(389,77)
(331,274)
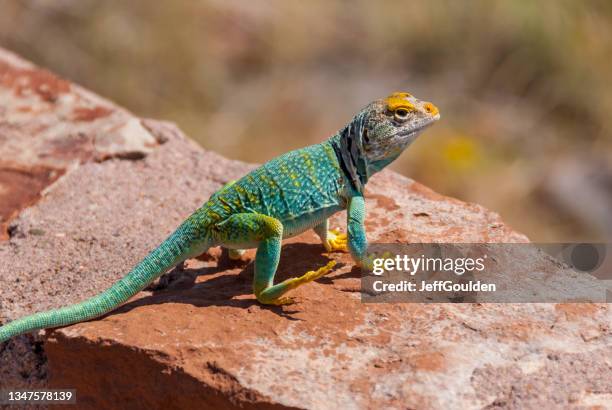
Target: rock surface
(203,340)
(48,125)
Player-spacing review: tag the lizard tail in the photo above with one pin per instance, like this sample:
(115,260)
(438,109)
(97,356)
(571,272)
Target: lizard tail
(172,251)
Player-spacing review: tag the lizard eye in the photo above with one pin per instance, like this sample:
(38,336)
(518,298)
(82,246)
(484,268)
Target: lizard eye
(401,114)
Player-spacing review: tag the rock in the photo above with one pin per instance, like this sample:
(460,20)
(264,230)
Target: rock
(48,126)
(203,340)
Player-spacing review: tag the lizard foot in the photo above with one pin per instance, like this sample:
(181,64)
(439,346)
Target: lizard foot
(235,254)
(367,262)
(285,300)
(336,241)
(314,274)
(272,295)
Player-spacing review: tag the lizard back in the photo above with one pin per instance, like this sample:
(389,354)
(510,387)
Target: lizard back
(299,188)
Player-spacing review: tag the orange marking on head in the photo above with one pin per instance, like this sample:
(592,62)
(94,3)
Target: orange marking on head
(431,109)
(399,100)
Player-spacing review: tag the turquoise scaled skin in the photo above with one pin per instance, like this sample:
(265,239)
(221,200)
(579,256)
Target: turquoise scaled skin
(284,197)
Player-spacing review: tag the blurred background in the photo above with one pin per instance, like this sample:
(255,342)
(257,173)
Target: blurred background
(524,88)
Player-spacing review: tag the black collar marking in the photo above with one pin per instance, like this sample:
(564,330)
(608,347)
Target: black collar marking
(351,155)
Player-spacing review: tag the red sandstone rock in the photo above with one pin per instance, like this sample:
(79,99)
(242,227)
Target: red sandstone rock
(48,125)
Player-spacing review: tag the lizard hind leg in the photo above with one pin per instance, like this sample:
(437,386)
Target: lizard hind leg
(333,240)
(267,233)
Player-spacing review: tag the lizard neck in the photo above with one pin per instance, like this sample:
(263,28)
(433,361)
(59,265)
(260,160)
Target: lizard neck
(348,146)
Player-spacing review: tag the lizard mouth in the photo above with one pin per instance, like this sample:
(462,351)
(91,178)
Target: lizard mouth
(418,127)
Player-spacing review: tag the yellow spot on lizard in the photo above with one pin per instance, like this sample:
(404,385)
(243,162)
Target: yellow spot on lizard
(399,100)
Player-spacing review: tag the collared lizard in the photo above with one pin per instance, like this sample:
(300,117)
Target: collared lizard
(284,197)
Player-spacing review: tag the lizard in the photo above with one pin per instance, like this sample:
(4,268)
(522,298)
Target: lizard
(284,197)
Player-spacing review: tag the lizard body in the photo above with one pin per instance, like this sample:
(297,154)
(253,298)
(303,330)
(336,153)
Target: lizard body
(284,197)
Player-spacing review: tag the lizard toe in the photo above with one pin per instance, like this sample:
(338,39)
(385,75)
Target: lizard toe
(285,300)
(336,241)
(316,274)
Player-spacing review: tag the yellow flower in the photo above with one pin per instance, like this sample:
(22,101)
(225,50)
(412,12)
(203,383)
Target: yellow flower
(461,152)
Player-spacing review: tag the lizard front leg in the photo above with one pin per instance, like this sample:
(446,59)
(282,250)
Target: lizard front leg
(357,241)
(333,240)
(267,233)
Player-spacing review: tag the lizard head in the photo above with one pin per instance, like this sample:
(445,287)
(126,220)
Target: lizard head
(380,132)
(392,124)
